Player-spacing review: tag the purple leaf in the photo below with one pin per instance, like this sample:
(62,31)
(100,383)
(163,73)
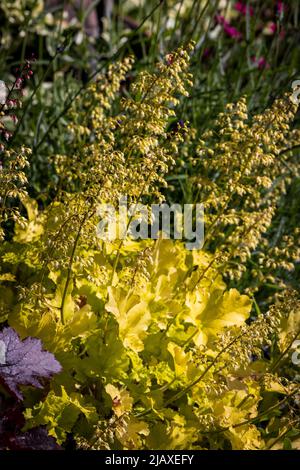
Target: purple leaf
(34,439)
(24,362)
(11,436)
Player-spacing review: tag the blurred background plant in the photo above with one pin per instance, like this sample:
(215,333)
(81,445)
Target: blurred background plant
(241,49)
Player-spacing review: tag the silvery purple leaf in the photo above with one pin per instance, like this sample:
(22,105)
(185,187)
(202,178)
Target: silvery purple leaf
(24,362)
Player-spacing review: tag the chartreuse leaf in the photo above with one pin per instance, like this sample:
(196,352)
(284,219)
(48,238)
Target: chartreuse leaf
(180,358)
(94,294)
(34,228)
(105,356)
(132,435)
(212,311)
(121,400)
(132,315)
(168,258)
(82,324)
(44,326)
(60,413)
(235,407)
(173,435)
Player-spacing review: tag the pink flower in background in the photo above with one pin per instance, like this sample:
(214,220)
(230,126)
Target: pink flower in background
(280,8)
(230,30)
(273,27)
(244,9)
(19,83)
(260,62)
(220,19)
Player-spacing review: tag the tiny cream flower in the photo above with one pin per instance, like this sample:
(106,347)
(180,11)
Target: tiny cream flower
(3,92)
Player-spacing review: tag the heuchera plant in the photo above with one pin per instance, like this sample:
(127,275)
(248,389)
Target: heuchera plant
(22,363)
(156,351)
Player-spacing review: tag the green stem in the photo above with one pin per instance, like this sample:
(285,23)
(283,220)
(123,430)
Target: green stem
(69,273)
